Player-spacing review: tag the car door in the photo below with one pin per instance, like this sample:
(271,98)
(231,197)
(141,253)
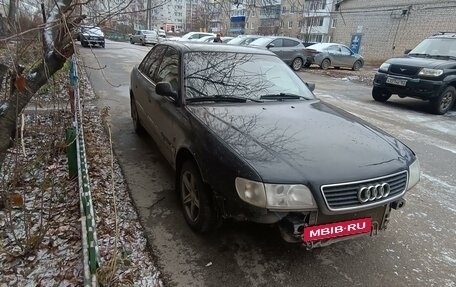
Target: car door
(144,85)
(333,52)
(278,48)
(165,108)
(346,57)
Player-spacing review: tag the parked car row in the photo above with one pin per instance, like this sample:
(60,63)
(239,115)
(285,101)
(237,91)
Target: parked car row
(297,54)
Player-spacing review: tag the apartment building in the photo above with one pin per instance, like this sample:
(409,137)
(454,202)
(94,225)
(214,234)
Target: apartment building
(305,19)
(382,29)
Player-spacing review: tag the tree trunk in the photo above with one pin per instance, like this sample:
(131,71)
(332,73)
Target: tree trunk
(57,48)
(12,12)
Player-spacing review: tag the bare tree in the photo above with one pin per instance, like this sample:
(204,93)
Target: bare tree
(56,35)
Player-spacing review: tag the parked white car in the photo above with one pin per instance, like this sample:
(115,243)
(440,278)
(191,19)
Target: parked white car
(192,36)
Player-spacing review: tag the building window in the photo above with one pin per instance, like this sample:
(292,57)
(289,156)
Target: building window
(252,14)
(246,25)
(292,9)
(251,25)
(284,9)
(333,23)
(315,22)
(290,24)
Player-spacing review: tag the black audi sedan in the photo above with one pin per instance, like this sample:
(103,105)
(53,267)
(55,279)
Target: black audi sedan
(250,141)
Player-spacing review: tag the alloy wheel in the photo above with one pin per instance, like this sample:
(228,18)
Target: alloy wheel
(446,101)
(190,196)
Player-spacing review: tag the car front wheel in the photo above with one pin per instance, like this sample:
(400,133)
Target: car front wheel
(297,64)
(357,65)
(444,102)
(380,95)
(196,202)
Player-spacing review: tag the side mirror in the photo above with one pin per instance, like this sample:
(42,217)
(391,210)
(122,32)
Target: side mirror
(270,46)
(407,51)
(165,89)
(311,86)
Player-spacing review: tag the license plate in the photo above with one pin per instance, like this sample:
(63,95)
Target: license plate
(397,82)
(337,229)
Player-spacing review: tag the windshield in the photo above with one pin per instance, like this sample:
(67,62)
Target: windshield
(148,32)
(209,74)
(436,47)
(92,30)
(261,42)
(236,41)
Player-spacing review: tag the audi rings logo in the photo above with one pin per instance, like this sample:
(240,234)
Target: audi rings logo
(373,192)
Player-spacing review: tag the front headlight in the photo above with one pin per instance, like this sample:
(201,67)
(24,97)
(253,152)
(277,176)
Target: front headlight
(414,174)
(281,196)
(275,196)
(430,72)
(251,191)
(384,67)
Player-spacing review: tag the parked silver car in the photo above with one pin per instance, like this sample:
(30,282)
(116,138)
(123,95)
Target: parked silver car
(243,40)
(331,54)
(290,50)
(144,37)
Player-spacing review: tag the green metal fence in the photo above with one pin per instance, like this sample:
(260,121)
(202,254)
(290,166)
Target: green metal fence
(88,224)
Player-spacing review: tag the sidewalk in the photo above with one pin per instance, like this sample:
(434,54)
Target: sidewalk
(365,75)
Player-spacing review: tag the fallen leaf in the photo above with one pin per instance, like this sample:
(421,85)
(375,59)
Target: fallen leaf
(16,200)
(20,83)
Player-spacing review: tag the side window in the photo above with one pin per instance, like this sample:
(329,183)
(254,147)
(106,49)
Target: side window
(169,69)
(290,43)
(333,48)
(277,43)
(194,36)
(345,50)
(150,63)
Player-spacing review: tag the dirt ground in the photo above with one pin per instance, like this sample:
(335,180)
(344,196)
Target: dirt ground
(365,75)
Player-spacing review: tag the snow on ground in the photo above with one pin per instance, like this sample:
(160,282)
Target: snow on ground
(40,229)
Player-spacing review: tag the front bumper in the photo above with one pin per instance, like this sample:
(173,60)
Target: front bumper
(415,87)
(292,226)
(94,41)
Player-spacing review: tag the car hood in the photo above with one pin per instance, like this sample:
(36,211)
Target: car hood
(431,63)
(308,142)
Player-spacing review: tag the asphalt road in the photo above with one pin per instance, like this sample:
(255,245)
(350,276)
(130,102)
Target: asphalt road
(418,249)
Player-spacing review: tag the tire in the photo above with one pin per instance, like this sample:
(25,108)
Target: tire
(444,102)
(137,126)
(307,65)
(380,95)
(131,41)
(296,65)
(142,43)
(357,65)
(195,199)
(84,44)
(325,64)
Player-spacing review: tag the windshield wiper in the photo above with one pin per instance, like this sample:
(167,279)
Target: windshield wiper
(220,98)
(444,56)
(419,54)
(282,96)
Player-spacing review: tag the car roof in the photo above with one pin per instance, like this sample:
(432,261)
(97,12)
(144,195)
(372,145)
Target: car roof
(210,47)
(281,37)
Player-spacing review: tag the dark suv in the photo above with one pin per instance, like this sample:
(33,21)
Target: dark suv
(428,72)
